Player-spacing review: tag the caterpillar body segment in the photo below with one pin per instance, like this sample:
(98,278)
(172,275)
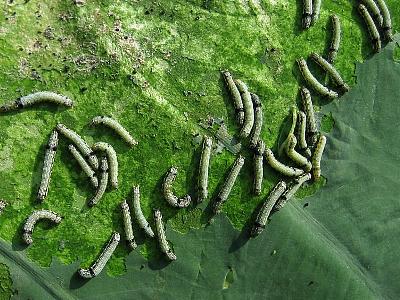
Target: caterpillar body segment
(112,161)
(258,120)
(102,184)
(203,169)
(235,94)
(336,37)
(312,129)
(372,30)
(307,14)
(117,127)
(3,205)
(386,22)
(316,11)
(317,156)
(248,109)
(280,167)
(301,133)
(295,156)
(162,239)
(126,215)
(33,219)
(282,146)
(169,194)
(374,10)
(84,166)
(258,167)
(140,218)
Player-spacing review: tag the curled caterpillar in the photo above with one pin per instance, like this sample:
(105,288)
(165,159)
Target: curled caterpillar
(336,36)
(282,146)
(375,11)
(316,10)
(280,167)
(301,133)
(167,190)
(115,125)
(139,214)
(316,159)
(80,143)
(248,109)
(126,214)
(112,160)
(203,169)
(162,239)
(32,220)
(235,94)
(51,150)
(102,184)
(103,258)
(37,97)
(295,156)
(3,205)
(313,82)
(312,130)
(266,208)
(258,120)
(84,165)
(258,167)
(307,13)
(291,190)
(387,21)
(331,71)
(228,184)
(373,31)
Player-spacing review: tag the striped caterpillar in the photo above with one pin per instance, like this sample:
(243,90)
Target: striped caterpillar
(3,205)
(301,133)
(235,94)
(32,220)
(126,215)
(37,97)
(165,248)
(294,155)
(373,31)
(258,167)
(113,124)
(248,109)
(103,258)
(228,184)
(375,11)
(139,214)
(316,159)
(316,10)
(336,36)
(167,190)
(112,160)
(102,184)
(280,167)
(387,22)
(266,208)
(331,71)
(308,107)
(282,146)
(307,13)
(84,165)
(258,120)
(80,143)
(203,169)
(293,187)
(313,82)
(51,150)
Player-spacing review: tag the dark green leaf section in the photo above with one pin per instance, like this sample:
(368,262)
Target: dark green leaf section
(5,283)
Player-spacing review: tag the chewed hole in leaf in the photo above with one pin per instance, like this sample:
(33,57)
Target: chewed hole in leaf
(396,53)
(230,278)
(327,123)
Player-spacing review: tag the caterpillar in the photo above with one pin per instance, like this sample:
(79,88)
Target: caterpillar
(84,165)
(248,109)
(162,239)
(3,205)
(295,156)
(330,70)
(235,94)
(316,5)
(266,208)
(291,130)
(258,167)
(112,160)
(280,167)
(80,143)
(373,31)
(308,107)
(228,184)
(293,187)
(32,220)
(258,120)
(387,22)
(307,13)
(102,184)
(115,125)
(316,159)
(103,258)
(51,149)
(126,214)
(336,37)
(37,97)
(301,133)
(167,190)
(139,214)
(375,11)
(203,169)
(313,82)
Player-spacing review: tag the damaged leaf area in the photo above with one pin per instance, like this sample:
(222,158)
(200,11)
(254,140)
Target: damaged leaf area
(155,67)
